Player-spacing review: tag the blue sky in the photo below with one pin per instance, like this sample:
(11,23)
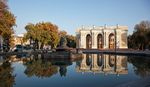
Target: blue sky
(68,15)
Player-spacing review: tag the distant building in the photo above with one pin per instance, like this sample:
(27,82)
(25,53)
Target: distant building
(102,37)
(18,40)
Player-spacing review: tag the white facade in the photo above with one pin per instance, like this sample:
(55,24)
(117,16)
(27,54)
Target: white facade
(102,37)
(18,40)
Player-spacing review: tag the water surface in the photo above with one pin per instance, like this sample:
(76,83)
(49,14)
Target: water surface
(93,70)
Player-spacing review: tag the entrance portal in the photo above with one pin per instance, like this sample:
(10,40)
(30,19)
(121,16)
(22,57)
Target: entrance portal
(99,41)
(88,41)
(111,41)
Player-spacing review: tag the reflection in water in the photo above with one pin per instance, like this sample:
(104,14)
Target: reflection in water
(103,63)
(36,65)
(40,67)
(141,65)
(63,70)
(6,77)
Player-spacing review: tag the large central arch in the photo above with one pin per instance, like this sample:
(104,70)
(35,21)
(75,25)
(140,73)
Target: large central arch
(99,41)
(88,41)
(111,41)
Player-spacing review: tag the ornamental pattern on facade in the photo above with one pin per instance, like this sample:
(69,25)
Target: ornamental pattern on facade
(102,37)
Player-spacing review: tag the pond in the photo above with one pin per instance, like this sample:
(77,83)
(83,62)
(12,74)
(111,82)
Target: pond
(93,70)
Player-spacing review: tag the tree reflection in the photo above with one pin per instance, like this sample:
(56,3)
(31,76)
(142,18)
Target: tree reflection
(6,77)
(141,64)
(40,68)
(63,70)
(62,64)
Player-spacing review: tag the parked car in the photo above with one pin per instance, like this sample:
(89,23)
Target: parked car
(21,48)
(27,49)
(18,48)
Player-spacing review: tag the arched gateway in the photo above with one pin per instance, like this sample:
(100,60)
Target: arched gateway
(100,41)
(102,37)
(88,41)
(111,41)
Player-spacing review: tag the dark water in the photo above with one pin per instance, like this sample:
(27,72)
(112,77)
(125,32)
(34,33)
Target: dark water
(93,70)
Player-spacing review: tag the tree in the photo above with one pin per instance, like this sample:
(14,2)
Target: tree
(44,33)
(71,41)
(62,33)
(140,37)
(7,21)
(32,34)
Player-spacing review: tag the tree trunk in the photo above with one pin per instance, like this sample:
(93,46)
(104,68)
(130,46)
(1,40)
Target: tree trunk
(142,46)
(42,44)
(139,46)
(39,47)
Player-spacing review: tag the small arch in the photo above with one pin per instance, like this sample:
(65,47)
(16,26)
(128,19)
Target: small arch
(111,41)
(88,41)
(99,41)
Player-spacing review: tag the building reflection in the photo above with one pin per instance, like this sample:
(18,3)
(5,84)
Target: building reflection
(103,63)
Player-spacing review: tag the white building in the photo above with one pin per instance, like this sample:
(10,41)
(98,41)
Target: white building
(18,40)
(102,37)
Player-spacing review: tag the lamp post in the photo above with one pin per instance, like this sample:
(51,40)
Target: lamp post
(115,40)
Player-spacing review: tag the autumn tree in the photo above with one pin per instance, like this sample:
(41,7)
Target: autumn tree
(44,33)
(62,33)
(7,21)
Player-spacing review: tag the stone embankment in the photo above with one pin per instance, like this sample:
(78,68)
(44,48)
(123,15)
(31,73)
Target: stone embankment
(118,51)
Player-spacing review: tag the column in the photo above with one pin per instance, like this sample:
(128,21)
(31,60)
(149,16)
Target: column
(106,66)
(118,64)
(118,38)
(83,40)
(94,40)
(83,65)
(95,66)
(104,39)
(92,34)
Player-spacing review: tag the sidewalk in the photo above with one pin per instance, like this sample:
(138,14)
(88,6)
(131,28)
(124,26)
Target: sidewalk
(118,51)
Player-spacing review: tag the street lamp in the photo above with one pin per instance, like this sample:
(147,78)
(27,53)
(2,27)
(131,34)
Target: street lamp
(115,40)
(116,37)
